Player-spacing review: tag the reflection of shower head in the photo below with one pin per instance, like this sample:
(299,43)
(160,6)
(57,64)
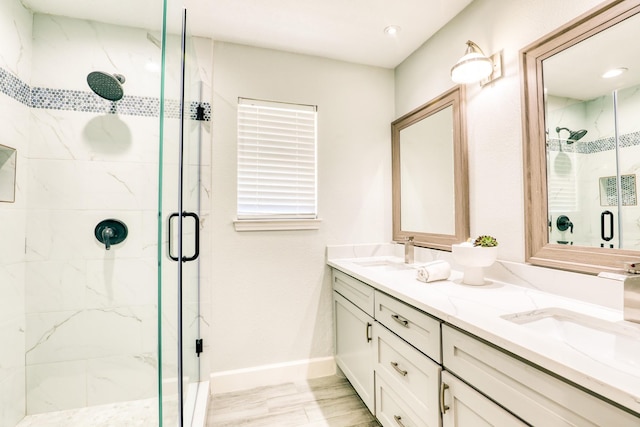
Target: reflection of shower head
(108,86)
(573,136)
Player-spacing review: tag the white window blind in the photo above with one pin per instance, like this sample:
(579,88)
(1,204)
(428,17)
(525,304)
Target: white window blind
(276,160)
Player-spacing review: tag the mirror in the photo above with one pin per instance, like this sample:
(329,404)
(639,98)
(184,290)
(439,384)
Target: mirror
(581,134)
(429,173)
(7,174)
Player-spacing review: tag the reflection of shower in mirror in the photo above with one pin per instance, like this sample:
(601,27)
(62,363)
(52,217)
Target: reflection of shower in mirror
(573,135)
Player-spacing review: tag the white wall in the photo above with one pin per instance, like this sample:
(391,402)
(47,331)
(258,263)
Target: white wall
(15,59)
(271,289)
(494,122)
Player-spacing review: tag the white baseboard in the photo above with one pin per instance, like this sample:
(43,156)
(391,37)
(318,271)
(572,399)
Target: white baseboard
(278,373)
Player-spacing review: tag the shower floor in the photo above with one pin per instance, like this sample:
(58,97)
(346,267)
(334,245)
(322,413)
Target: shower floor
(138,413)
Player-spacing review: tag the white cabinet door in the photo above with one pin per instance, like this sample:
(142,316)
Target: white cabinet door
(354,347)
(462,406)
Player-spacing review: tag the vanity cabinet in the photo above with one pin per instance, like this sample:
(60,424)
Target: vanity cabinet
(536,397)
(354,324)
(412,369)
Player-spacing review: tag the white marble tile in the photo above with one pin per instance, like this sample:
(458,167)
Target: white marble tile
(13,230)
(121,282)
(91,333)
(71,135)
(60,63)
(15,31)
(12,397)
(80,185)
(61,235)
(121,378)
(55,285)
(13,339)
(47,381)
(12,290)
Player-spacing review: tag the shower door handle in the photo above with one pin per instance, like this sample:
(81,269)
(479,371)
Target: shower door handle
(602,216)
(196,253)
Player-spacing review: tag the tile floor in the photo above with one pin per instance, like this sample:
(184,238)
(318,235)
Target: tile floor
(321,402)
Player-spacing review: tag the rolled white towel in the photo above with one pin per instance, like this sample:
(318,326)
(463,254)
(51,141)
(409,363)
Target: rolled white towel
(432,271)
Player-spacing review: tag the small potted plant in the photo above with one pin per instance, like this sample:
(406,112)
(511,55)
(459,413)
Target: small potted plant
(474,255)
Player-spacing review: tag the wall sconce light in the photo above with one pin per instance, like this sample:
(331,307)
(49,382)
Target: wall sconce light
(474,66)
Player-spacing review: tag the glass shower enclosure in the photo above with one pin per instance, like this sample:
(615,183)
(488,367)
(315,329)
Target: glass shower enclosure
(184,207)
(98,322)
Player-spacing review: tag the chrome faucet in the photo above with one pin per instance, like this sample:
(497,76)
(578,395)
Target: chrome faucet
(408,250)
(632,292)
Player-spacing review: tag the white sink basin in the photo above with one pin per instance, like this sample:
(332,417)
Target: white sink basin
(614,343)
(383,265)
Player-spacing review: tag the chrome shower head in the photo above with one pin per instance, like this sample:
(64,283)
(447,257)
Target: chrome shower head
(573,136)
(107,86)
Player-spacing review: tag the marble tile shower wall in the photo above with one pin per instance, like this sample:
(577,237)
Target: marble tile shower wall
(88,327)
(15,56)
(90,313)
(14,120)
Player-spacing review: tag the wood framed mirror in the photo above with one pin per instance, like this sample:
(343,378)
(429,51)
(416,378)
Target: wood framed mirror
(564,98)
(430,173)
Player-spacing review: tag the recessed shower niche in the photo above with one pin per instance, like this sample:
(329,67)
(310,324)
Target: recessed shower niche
(7,174)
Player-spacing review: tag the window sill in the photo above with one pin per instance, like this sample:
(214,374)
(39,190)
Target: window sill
(276,224)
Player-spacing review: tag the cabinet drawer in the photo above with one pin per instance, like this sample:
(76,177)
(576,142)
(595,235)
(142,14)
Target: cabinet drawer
(354,290)
(417,328)
(536,397)
(463,406)
(391,408)
(412,375)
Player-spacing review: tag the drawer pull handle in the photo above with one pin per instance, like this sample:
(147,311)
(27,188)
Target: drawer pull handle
(368,332)
(398,370)
(443,408)
(398,419)
(404,322)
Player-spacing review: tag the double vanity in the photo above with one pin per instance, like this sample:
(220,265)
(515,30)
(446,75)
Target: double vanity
(446,353)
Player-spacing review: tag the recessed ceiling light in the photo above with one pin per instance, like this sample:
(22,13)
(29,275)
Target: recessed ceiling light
(614,72)
(392,30)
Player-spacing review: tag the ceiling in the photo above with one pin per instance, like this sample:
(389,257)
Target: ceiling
(349,30)
(576,72)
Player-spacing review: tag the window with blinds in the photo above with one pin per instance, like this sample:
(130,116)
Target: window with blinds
(276,160)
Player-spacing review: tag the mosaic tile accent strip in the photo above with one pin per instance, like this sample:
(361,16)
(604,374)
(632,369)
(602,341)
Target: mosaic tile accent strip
(206,113)
(89,102)
(596,146)
(12,86)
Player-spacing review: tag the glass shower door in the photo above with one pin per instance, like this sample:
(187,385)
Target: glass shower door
(179,231)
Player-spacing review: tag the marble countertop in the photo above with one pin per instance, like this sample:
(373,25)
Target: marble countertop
(478,310)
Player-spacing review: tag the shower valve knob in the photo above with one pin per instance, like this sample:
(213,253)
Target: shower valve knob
(110,232)
(563,223)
